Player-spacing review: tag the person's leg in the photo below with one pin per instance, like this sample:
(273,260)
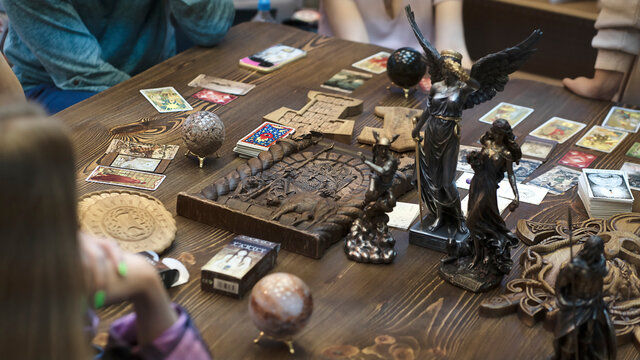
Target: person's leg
(54,99)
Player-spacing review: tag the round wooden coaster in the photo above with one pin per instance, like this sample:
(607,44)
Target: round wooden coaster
(137,221)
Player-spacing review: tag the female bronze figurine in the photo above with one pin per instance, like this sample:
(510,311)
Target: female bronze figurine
(453,90)
(483,265)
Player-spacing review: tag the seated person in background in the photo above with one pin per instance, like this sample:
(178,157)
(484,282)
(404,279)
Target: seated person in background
(51,274)
(618,44)
(65,51)
(384,23)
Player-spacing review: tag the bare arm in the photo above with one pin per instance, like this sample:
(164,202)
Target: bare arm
(450,31)
(345,20)
(10,88)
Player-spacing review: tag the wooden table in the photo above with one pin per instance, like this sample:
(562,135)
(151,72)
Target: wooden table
(354,303)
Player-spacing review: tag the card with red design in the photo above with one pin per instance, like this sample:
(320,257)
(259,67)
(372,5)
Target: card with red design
(577,159)
(215,97)
(262,138)
(376,63)
(126,177)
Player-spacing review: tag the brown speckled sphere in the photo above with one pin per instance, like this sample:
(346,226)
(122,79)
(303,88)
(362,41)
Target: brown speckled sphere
(203,132)
(280,305)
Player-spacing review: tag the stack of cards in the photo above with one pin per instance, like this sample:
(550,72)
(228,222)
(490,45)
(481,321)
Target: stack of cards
(261,139)
(605,192)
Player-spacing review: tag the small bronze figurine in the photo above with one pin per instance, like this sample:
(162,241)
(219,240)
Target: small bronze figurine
(453,90)
(369,240)
(481,266)
(583,327)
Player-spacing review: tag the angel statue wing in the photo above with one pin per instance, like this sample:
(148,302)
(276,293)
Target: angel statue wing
(432,55)
(492,71)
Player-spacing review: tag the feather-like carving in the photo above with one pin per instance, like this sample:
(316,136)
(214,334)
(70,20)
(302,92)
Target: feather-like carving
(432,55)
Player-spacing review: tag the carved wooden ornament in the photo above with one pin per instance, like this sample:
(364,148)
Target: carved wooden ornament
(397,121)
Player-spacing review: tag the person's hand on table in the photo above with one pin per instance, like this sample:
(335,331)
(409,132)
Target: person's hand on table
(603,86)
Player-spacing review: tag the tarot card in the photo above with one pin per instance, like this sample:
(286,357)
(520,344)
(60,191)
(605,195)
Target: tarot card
(577,159)
(346,81)
(623,119)
(633,174)
(272,58)
(463,165)
(514,114)
(222,85)
(215,97)
(135,163)
(611,185)
(558,129)
(634,150)
(265,135)
(503,204)
(403,215)
(525,168)
(376,63)
(602,139)
(464,181)
(126,177)
(166,99)
(558,180)
(537,148)
(528,193)
(155,151)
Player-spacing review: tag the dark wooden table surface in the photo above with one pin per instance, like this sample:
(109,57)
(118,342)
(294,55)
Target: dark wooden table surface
(353,303)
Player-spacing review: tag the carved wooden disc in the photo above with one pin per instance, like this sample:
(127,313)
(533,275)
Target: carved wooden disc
(137,221)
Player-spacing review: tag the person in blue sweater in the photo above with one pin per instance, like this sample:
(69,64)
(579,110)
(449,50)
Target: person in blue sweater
(64,51)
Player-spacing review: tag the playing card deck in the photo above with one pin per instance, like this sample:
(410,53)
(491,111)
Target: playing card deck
(272,58)
(602,139)
(514,114)
(239,265)
(166,99)
(126,177)
(346,81)
(376,63)
(261,139)
(605,192)
(221,85)
(557,129)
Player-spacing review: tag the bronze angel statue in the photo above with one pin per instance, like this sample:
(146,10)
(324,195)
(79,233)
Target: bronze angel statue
(453,90)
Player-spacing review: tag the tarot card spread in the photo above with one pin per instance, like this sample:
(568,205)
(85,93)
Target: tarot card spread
(577,159)
(125,177)
(558,180)
(376,63)
(166,99)
(602,139)
(514,114)
(346,81)
(214,96)
(633,174)
(623,119)
(557,129)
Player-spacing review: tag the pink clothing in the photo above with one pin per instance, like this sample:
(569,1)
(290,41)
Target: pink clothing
(180,341)
(386,32)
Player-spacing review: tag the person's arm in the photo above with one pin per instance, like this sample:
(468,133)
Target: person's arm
(58,38)
(10,88)
(345,20)
(449,29)
(205,22)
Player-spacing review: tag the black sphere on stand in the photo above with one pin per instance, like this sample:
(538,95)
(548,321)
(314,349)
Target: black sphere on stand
(406,68)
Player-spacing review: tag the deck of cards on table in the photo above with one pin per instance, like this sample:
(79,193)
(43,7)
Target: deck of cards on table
(261,139)
(605,192)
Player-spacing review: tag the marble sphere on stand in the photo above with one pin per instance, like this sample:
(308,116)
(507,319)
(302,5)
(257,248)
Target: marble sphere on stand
(203,133)
(280,305)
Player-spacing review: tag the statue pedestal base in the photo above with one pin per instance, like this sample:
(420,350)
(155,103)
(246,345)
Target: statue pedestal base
(434,240)
(476,279)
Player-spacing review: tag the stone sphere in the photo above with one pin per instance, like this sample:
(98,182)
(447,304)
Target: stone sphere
(280,305)
(203,133)
(406,67)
